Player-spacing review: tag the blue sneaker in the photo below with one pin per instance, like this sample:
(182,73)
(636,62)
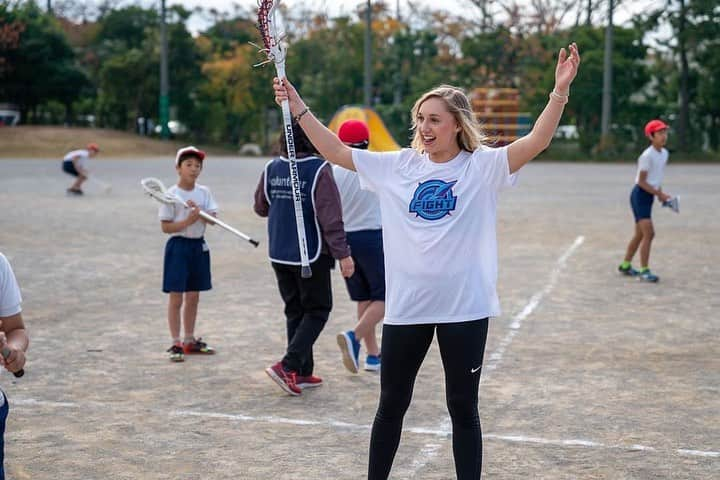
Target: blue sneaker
(372,363)
(629,271)
(648,276)
(350,349)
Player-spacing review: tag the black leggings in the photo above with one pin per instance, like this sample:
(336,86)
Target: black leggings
(403,349)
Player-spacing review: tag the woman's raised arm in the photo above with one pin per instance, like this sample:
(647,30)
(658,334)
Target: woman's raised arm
(523,150)
(327,143)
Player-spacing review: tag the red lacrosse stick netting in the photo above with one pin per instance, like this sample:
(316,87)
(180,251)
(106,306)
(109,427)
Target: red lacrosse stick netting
(265,10)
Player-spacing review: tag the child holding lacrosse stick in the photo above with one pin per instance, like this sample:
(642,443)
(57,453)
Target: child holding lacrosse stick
(308,301)
(187,257)
(75,164)
(13,339)
(361,214)
(648,181)
(439,206)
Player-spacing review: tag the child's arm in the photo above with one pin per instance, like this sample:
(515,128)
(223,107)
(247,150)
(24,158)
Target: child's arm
(14,337)
(643,183)
(169,226)
(528,147)
(328,210)
(76,163)
(261,205)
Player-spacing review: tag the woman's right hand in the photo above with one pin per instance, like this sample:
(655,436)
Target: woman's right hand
(285,91)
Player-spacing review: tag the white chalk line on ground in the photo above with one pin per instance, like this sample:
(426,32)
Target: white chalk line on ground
(441,432)
(428,452)
(496,357)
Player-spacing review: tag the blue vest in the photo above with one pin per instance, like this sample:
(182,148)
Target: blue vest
(282,230)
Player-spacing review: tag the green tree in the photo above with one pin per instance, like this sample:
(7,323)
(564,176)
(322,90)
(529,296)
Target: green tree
(38,65)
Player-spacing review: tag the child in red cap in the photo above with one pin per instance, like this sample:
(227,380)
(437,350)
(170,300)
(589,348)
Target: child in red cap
(648,181)
(363,228)
(75,164)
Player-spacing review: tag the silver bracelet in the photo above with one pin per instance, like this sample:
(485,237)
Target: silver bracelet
(557,98)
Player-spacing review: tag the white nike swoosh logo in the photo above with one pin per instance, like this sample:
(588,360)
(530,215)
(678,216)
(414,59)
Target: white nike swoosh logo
(473,370)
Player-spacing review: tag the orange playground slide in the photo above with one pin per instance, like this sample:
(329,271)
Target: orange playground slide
(380,138)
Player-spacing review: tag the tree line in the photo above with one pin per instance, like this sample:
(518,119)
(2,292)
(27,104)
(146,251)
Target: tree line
(103,66)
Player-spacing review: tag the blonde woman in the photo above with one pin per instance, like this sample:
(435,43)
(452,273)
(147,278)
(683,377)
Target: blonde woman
(438,202)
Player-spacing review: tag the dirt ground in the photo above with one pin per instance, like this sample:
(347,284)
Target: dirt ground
(587,375)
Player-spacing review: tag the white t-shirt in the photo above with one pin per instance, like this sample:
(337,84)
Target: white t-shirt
(360,208)
(653,162)
(438,223)
(83,157)
(175,213)
(10,299)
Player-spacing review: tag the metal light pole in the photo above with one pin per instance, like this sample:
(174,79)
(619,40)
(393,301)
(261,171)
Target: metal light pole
(607,81)
(368,55)
(164,98)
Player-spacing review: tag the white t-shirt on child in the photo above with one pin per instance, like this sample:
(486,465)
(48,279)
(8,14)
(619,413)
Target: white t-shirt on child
(82,161)
(653,162)
(439,237)
(10,299)
(202,197)
(360,208)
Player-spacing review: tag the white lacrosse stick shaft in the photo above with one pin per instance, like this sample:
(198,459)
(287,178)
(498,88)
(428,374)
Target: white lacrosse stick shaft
(305,270)
(218,222)
(104,185)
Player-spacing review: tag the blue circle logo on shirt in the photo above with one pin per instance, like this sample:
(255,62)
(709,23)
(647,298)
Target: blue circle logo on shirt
(433,199)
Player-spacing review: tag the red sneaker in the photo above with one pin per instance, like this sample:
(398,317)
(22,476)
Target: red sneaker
(287,380)
(311,381)
(198,346)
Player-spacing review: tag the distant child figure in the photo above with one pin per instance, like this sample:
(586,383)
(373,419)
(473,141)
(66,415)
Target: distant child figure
(187,256)
(12,337)
(308,301)
(75,163)
(361,215)
(648,181)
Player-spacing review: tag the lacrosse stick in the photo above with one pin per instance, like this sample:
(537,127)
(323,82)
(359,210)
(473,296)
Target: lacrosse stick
(106,187)
(673,204)
(276,54)
(157,190)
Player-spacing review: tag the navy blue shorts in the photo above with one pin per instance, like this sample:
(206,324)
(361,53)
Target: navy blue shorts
(368,281)
(186,266)
(641,203)
(69,167)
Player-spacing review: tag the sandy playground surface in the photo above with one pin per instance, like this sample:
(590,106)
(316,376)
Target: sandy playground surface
(587,375)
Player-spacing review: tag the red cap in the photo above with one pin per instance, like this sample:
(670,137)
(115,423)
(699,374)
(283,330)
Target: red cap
(354,131)
(654,126)
(185,151)
(93,146)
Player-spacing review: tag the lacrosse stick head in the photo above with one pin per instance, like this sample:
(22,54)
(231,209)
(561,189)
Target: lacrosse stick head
(673,204)
(156,189)
(269,31)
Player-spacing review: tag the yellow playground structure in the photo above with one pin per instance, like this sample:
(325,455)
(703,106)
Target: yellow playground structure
(380,138)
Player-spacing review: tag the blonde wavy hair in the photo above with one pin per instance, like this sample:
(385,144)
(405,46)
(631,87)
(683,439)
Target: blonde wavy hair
(470,137)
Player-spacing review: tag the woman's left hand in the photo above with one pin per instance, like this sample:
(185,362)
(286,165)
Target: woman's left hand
(567,68)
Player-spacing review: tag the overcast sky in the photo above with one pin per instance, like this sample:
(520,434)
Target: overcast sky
(623,13)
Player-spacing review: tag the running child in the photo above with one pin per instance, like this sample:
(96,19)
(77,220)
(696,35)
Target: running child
(308,301)
(12,336)
(361,215)
(648,185)
(439,206)
(75,163)
(186,270)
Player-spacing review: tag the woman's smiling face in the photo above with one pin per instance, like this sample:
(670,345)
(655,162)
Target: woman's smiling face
(438,130)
